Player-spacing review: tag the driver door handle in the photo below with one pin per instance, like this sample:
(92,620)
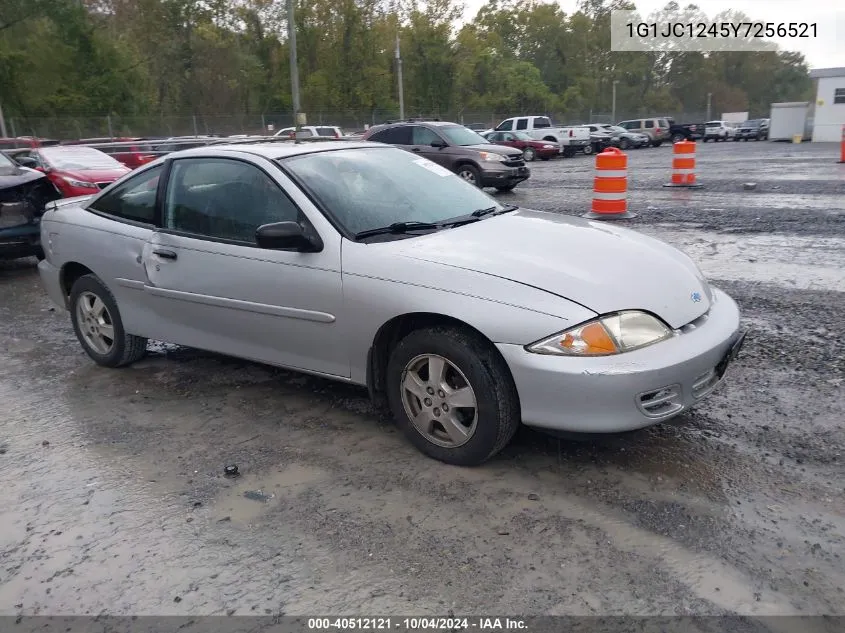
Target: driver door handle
(165,254)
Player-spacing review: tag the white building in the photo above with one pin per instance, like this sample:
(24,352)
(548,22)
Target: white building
(830,104)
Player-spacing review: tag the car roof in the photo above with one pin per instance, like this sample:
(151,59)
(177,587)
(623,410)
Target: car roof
(273,150)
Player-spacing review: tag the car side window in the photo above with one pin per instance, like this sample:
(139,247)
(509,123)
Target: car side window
(522,124)
(398,135)
(508,137)
(223,198)
(133,200)
(649,124)
(423,136)
(505,125)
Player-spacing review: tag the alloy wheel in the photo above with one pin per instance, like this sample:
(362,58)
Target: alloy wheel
(439,401)
(95,322)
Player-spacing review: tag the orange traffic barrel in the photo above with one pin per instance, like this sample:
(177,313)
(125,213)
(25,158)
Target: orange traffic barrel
(683,165)
(842,147)
(610,187)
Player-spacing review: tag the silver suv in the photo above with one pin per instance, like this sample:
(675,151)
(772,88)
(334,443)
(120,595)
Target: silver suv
(656,129)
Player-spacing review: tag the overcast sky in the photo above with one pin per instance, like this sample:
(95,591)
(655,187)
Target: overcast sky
(825,51)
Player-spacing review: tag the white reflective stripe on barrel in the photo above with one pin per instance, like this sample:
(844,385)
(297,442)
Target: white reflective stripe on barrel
(683,171)
(611,173)
(610,196)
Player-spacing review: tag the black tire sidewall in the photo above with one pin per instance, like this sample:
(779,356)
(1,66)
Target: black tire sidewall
(463,351)
(90,283)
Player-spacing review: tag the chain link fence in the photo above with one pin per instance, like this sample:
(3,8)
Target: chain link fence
(115,127)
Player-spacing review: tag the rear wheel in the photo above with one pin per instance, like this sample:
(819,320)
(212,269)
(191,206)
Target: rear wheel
(98,326)
(452,395)
(528,154)
(588,149)
(678,137)
(657,143)
(470,174)
(506,187)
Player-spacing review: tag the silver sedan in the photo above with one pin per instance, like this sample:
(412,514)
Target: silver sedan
(367,264)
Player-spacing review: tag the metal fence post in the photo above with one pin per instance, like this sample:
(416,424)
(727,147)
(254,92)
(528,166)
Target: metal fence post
(12,125)
(194,117)
(108,122)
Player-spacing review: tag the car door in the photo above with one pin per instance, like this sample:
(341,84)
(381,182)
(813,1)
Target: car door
(212,287)
(511,141)
(421,143)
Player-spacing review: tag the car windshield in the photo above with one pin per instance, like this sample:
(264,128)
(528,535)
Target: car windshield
(522,136)
(713,124)
(369,188)
(616,128)
(79,158)
(6,162)
(752,123)
(460,135)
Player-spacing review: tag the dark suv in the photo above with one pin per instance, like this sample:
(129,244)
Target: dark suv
(457,148)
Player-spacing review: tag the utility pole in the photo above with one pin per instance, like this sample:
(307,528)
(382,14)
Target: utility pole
(294,68)
(399,79)
(613,109)
(709,95)
(2,123)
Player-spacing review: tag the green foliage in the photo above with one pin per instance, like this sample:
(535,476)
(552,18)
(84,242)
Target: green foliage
(212,57)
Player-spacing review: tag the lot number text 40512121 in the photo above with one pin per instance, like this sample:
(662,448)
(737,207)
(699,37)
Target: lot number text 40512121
(416,624)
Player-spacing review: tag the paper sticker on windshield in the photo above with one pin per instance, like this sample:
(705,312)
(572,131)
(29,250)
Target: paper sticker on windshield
(433,167)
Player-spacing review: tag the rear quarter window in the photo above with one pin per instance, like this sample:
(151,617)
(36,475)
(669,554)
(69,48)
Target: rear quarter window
(542,122)
(399,135)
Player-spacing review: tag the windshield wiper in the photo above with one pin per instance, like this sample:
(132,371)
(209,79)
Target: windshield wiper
(476,215)
(398,227)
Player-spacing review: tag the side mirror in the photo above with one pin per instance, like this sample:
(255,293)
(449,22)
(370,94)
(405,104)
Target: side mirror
(287,236)
(440,144)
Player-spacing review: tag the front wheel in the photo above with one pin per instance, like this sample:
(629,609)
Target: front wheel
(98,326)
(528,154)
(624,144)
(452,395)
(470,174)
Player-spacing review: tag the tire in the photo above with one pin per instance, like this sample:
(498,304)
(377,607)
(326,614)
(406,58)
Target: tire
(125,348)
(678,137)
(545,158)
(624,144)
(529,155)
(470,361)
(657,143)
(588,149)
(506,187)
(470,174)
(39,253)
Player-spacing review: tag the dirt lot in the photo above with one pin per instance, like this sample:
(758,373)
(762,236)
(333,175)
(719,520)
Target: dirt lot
(113,497)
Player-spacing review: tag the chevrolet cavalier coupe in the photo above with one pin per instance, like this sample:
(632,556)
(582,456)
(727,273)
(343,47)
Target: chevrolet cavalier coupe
(363,263)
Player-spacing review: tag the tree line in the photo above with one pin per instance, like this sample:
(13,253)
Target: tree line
(61,58)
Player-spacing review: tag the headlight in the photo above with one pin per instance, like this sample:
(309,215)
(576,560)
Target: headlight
(79,183)
(492,157)
(610,334)
(548,146)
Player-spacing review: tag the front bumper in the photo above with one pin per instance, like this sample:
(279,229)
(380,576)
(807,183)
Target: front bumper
(628,391)
(503,176)
(20,241)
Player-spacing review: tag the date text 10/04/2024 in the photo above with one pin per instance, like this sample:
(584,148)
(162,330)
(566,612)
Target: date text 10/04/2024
(417,624)
(722,29)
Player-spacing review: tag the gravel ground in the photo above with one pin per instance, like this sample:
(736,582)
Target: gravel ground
(114,499)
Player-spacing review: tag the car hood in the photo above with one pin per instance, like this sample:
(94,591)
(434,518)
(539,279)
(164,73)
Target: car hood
(603,268)
(15,176)
(499,149)
(93,175)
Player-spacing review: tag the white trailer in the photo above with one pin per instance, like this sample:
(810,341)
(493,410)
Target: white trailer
(788,120)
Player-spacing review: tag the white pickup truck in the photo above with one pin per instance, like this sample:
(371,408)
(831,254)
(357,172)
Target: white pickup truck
(570,139)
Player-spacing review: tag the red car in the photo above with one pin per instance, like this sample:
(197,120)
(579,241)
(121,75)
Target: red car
(531,148)
(74,170)
(132,152)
